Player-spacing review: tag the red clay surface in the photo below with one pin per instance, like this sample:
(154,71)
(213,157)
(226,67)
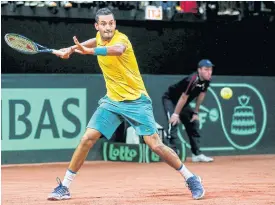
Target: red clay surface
(244,180)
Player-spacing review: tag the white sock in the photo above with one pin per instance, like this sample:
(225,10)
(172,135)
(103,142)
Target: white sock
(185,172)
(68,178)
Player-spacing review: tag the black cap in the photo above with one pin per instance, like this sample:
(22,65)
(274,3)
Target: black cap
(205,63)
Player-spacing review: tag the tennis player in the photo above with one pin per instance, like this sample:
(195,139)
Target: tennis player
(126,99)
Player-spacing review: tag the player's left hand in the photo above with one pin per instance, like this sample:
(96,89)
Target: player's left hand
(80,48)
(195,117)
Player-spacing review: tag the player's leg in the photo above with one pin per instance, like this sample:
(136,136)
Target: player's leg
(139,114)
(171,158)
(166,153)
(88,140)
(61,192)
(193,135)
(102,122)
(172,131)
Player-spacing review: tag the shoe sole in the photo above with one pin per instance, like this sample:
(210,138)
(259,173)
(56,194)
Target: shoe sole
(59,199)
(200,196)
(202,161)
(203,191)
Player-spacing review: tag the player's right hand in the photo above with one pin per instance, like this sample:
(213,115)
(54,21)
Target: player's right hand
(63,53)
(66,52)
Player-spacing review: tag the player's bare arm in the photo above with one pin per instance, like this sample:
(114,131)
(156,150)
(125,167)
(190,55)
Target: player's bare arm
(91,43)
(181,102)
(115,50)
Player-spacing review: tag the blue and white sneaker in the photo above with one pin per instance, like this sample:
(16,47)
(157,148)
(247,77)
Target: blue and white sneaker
(60,192)
(195,186)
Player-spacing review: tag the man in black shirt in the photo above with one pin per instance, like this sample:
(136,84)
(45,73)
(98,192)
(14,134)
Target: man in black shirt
(176,105)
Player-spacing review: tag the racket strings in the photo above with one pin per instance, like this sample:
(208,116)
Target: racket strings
(21,44)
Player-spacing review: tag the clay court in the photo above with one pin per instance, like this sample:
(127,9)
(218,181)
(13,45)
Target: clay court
(244,180)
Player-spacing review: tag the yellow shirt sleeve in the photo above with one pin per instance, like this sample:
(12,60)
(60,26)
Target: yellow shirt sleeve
(121,39)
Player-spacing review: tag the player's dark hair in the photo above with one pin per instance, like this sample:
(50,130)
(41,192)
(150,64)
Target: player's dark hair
(101,12)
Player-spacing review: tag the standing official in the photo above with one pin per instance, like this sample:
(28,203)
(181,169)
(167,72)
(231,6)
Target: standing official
(176,104)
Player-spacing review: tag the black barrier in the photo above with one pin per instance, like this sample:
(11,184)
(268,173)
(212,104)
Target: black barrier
(44,116)
(160,47)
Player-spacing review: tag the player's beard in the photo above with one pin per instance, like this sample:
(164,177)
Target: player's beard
(107,36)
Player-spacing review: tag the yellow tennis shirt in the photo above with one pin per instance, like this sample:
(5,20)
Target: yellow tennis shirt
(121,73)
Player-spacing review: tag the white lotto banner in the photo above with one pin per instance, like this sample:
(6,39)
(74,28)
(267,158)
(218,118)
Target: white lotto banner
(153,13)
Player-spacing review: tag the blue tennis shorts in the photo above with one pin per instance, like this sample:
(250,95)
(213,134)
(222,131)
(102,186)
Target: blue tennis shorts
(110,114)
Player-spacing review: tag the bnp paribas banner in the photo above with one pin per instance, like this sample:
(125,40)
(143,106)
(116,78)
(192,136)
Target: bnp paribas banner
(50,112)
(42,118)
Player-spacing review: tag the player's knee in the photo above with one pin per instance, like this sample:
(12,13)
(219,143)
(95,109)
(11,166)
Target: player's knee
(154,142)
(89,138)
(157,148)
(85,140)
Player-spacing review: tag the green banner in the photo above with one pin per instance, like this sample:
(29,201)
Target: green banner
(242,119)
(41,119)
(122,152)
(44,116)
(135,152)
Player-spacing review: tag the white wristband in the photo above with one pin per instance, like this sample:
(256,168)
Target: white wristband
(176,114)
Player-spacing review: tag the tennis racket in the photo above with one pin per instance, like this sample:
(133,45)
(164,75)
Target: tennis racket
(24,45)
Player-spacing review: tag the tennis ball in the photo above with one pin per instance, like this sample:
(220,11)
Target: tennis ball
(226,93)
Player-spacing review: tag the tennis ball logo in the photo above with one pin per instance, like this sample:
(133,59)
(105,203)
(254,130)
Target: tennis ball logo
(226,93)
